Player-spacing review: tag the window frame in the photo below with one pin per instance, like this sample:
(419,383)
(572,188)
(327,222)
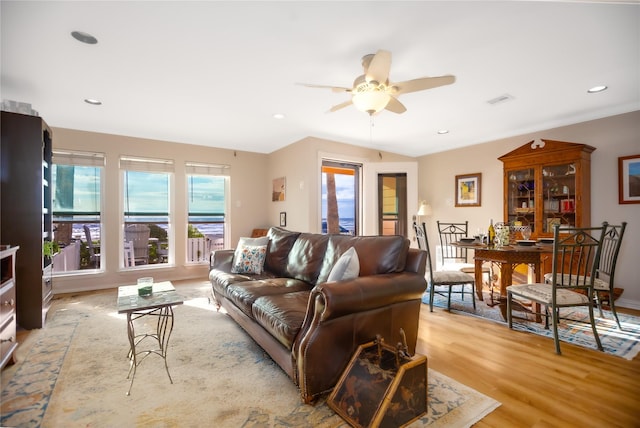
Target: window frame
(66,157)
(199,169)
(152,166)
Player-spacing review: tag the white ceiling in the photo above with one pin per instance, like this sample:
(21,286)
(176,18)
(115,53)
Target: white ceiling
(213,73)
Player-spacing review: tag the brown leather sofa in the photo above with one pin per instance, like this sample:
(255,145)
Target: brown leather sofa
(311,327)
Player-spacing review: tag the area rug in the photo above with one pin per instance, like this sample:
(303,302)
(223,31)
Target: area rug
(574,329)
(73,372)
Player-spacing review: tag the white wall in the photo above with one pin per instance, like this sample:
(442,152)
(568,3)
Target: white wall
(252,175)
(298,162)
(612,137)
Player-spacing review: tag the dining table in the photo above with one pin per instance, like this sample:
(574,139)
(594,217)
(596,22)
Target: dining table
(507,257)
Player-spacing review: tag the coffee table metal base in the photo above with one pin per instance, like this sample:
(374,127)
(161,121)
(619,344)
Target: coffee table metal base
(164,327)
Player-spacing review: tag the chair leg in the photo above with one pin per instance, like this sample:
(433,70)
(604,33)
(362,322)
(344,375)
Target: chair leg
(593,327)
(449,297)
(613,309)
(431,296)
(556,339)
(473,295)
(509,317)
(596,297)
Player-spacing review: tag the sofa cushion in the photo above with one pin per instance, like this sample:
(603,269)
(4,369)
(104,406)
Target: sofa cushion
(306,256)
(378,254)
(280,243)
(220,279)
(282,315)
(347,266)
(244,294)
(249,255)
(249,259)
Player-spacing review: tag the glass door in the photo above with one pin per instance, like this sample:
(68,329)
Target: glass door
(521,197)
(559,195)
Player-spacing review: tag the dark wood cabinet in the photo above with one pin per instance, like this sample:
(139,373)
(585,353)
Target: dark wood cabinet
(8,337)
(548,182)
(26,215)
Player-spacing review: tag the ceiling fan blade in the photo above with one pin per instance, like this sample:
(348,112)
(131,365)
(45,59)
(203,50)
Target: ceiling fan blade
(333,88)
(339,106)
(379,67)
(395,106)
(421,84)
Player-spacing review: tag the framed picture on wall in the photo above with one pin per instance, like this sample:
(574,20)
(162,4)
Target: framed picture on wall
(629,179)
(283,219)
(279,189)
(468,190)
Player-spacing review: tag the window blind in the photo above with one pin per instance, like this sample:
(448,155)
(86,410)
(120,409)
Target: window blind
(207,169)
(146,164)
(64,157)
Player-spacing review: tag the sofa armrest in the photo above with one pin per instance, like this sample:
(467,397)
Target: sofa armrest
(365,293)
(221,260)
(416,261)
(345,314)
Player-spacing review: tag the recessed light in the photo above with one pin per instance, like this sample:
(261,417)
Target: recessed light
(93,102)
(443,131)
(597,89)
(84,37)
(278,116)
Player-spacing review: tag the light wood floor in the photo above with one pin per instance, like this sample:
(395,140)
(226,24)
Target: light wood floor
(537,388)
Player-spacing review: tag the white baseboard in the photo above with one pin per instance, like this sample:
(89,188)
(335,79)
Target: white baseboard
(627,303)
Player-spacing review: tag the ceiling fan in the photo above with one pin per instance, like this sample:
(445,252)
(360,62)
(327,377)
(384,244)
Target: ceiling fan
(372,91)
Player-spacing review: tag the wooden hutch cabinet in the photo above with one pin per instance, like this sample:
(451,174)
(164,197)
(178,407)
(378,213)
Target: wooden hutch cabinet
(548,182)
(26,218)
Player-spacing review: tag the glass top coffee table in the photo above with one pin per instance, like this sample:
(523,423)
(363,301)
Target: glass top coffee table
(160,305)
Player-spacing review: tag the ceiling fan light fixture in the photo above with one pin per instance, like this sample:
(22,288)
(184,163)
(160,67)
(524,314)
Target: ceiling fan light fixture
(371,101)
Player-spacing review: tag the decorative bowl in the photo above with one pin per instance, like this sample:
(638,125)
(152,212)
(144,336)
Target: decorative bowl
(546,241)
(467,240)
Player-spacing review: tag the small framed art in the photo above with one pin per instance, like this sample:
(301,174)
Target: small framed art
(468,190)
(283,219)
(629,179)
(279,189)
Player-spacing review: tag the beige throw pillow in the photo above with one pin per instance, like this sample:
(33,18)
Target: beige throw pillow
(347,266)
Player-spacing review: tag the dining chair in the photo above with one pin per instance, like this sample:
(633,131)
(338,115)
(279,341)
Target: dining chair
(454,257)
(446,279)
(94,257)
(604,283)
(138,234)
(576,255)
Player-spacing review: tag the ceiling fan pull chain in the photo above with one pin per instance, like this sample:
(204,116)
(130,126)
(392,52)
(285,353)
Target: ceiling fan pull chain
(371,129)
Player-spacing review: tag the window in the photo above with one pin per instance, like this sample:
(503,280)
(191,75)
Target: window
(146,213)
(340,197)
(77,200)
(207,202)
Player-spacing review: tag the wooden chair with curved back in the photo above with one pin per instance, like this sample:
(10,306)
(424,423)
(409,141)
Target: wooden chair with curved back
(138,234)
